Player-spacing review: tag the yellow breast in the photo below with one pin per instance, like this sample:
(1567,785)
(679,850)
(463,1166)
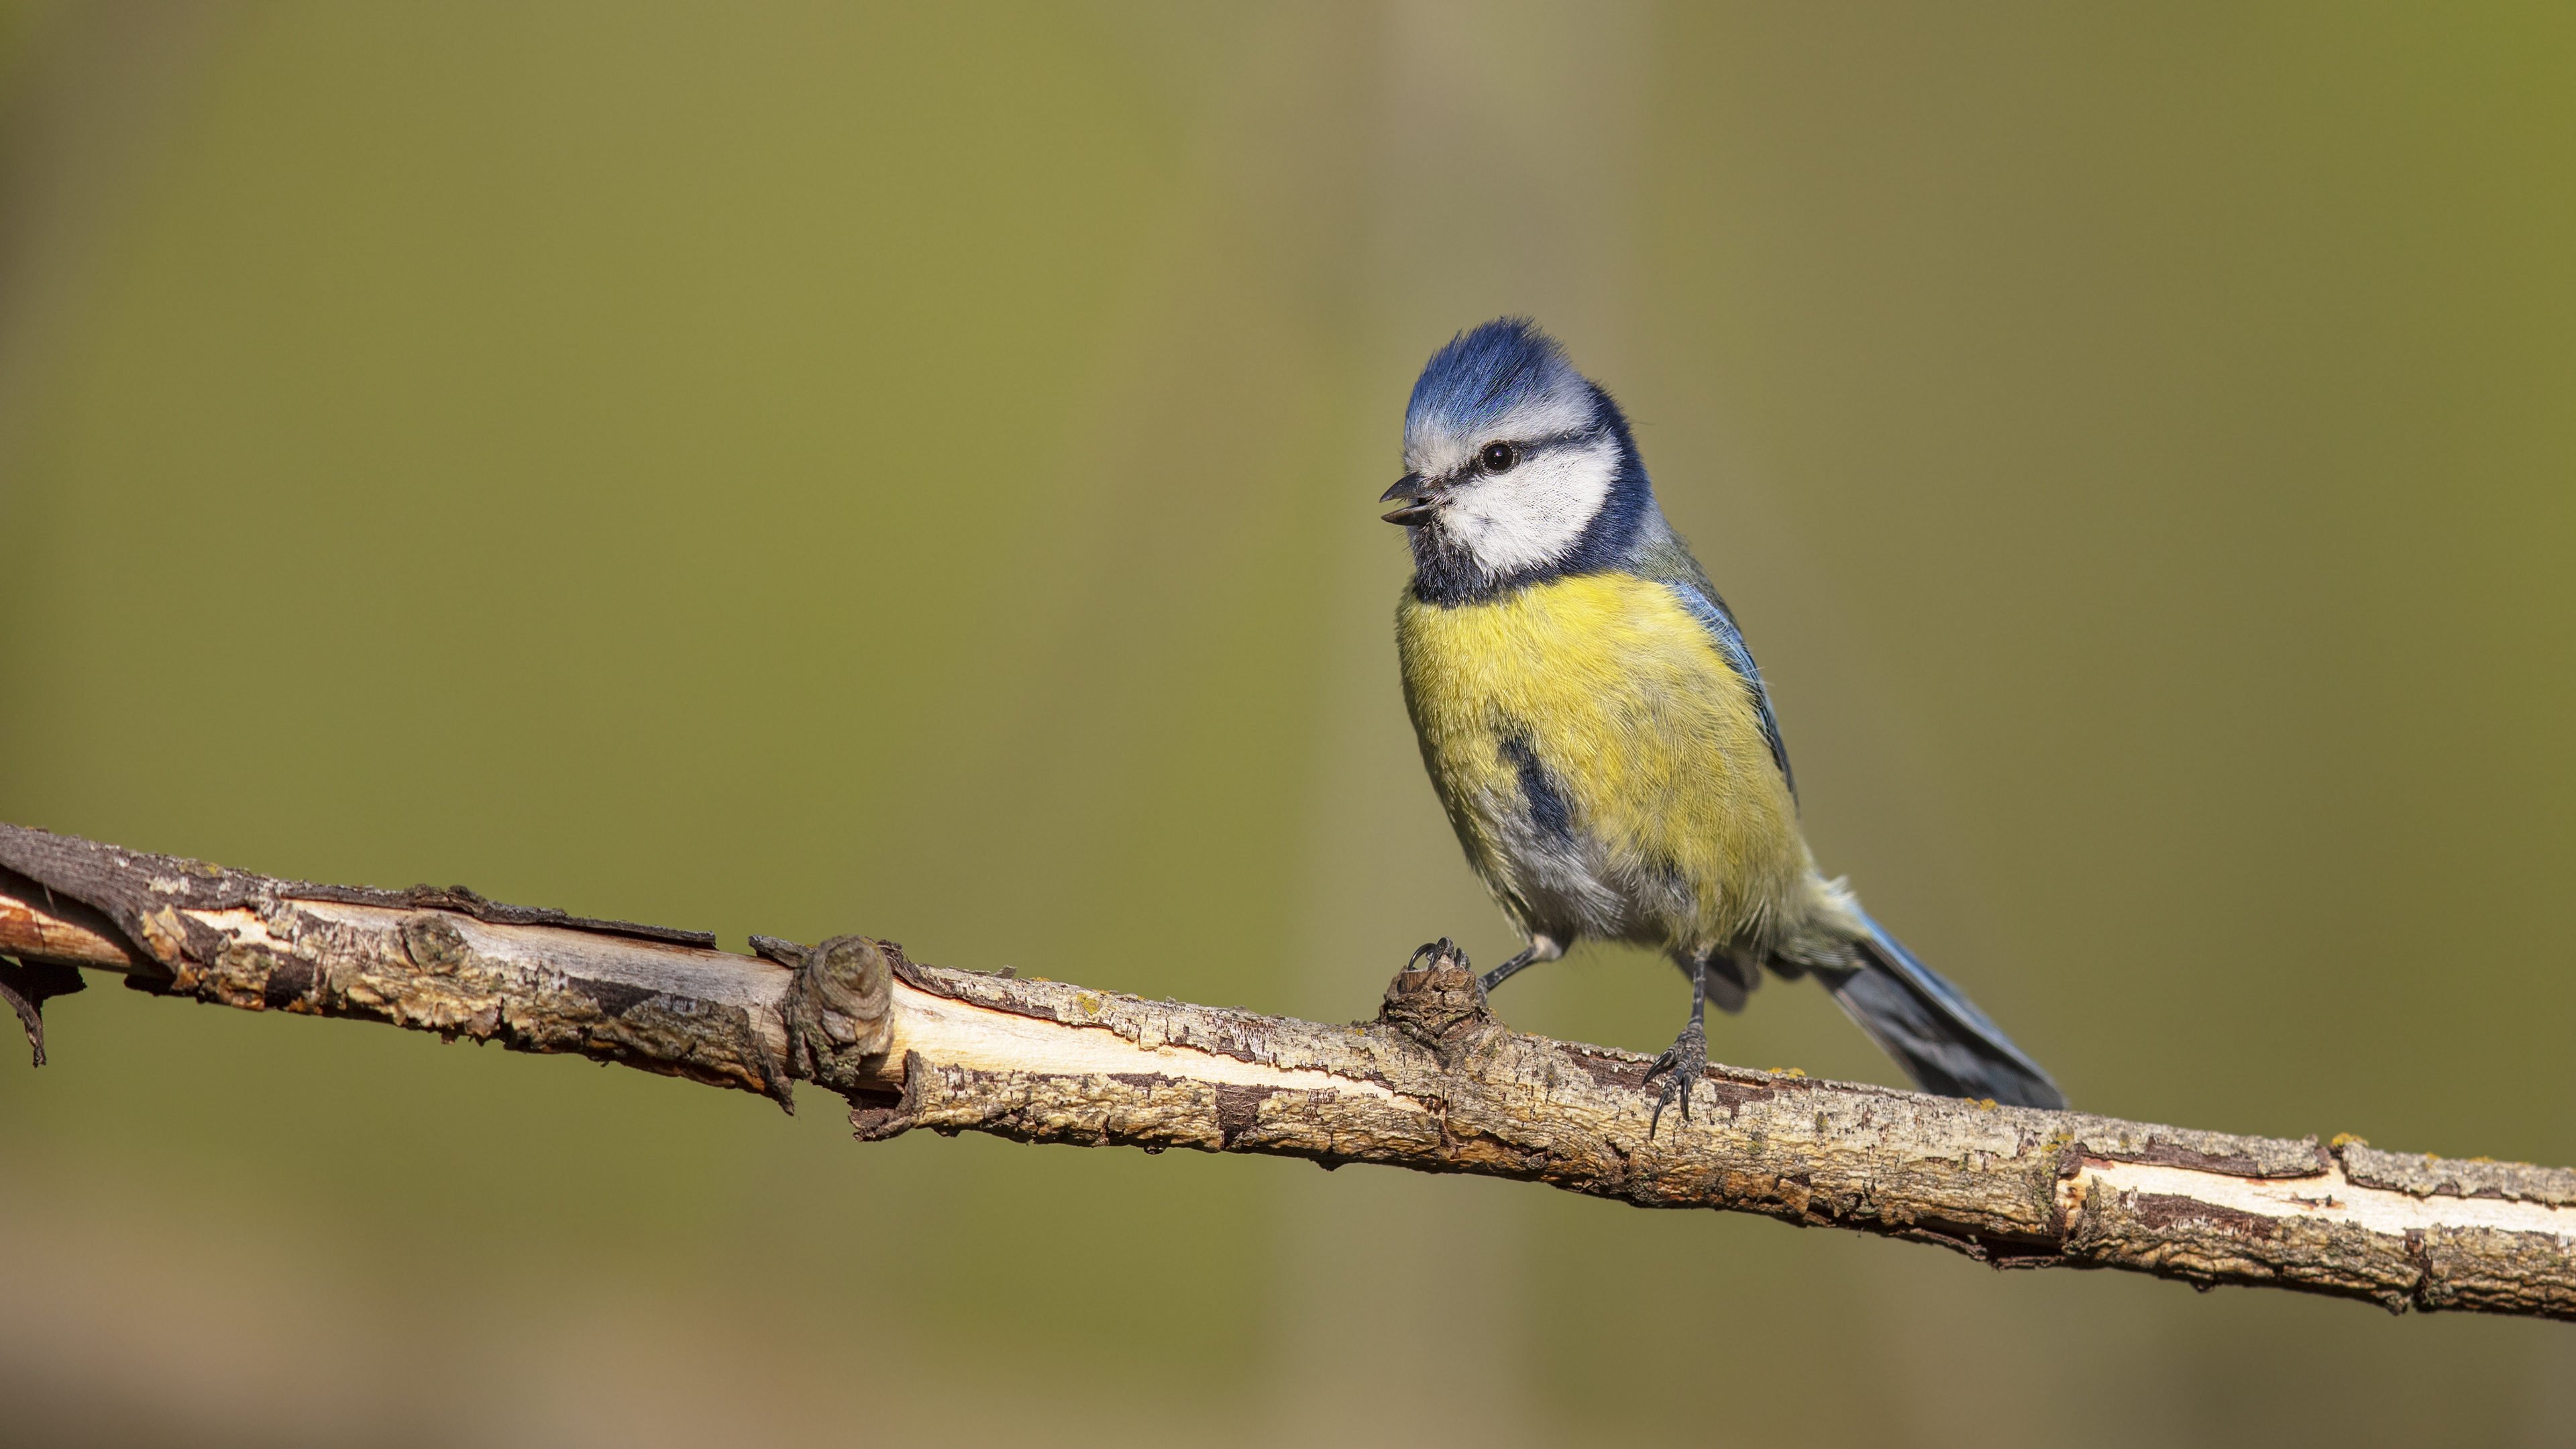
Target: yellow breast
(1655,744)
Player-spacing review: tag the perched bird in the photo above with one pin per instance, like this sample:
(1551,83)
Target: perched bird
(1600,736)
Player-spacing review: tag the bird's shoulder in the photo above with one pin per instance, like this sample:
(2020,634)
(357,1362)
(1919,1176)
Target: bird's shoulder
(1670,564)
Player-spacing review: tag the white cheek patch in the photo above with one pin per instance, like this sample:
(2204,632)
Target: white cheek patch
(1533,513)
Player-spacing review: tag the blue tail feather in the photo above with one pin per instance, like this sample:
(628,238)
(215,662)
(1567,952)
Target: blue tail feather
(1942,1040)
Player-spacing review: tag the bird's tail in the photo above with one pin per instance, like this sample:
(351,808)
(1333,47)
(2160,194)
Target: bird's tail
(1944,1043)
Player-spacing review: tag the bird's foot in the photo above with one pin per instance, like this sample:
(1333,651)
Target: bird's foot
(1684,1062)
(1433,955)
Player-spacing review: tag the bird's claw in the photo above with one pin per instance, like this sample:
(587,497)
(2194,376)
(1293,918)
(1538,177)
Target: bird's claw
(1682,1063)
(1438,951)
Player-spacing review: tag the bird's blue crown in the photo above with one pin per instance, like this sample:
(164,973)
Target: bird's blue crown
(1483,377)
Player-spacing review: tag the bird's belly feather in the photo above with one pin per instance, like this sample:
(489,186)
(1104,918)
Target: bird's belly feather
(1668,824)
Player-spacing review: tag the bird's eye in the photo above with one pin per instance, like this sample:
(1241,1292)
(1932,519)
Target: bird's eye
(1498,457)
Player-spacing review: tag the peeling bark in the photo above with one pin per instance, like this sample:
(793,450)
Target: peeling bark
(1434,1083)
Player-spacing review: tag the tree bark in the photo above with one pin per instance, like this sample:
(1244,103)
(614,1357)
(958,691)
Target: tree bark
(1434,1083)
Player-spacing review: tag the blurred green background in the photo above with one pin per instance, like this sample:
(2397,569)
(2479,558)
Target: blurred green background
(814,468)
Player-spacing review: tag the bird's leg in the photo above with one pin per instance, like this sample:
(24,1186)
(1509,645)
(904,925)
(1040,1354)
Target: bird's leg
(1686,1060)
(1505,972)
(1540,948)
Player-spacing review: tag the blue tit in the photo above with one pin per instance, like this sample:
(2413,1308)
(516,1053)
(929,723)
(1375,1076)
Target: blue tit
(1599,734)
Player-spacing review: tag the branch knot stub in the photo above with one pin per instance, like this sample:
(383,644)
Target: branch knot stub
(837,1013)
(1440,1004)
(434,943)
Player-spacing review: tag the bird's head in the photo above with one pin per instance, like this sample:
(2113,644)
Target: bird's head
(1517,467)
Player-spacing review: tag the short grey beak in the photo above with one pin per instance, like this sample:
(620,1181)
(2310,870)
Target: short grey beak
(1418,506)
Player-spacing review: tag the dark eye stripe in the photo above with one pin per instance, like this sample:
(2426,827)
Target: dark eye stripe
(1525,449)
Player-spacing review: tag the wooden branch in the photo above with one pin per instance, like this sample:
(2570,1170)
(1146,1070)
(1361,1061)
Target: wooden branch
(1434,1083)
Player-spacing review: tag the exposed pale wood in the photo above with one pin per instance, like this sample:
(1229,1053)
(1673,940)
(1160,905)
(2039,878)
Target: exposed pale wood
(1435,1083)
(33,935)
